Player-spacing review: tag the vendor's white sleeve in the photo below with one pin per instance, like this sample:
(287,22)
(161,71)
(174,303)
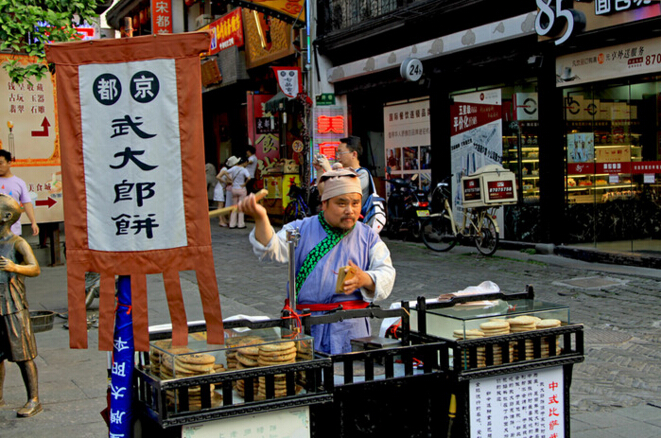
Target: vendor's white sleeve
(382,272)
(276,250)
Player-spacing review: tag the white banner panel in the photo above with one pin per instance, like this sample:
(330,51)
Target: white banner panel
(527,404)
(132,160)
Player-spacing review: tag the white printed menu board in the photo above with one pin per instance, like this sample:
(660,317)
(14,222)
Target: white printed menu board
(527,404)
(294,422)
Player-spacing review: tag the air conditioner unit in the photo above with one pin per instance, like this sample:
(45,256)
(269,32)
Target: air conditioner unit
(203,20)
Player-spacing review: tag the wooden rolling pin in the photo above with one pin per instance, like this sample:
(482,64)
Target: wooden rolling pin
(258,197)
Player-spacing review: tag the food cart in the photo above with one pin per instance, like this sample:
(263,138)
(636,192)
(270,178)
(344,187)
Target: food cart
(507,384)
(416,382)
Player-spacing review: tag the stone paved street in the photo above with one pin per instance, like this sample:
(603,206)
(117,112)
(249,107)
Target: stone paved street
(622,321)
(615,392)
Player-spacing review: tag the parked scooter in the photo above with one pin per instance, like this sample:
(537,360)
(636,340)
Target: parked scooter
(407,207)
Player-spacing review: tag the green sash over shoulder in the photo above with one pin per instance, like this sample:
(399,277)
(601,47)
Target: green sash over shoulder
(333,237)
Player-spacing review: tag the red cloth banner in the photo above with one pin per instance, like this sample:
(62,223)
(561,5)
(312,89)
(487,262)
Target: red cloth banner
(133,174)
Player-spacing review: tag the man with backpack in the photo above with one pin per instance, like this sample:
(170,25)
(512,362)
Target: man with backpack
(373,209)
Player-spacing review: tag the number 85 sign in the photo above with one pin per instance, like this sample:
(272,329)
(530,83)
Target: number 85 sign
(552,19)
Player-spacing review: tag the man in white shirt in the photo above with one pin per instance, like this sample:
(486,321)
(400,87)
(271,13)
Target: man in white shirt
(348,154)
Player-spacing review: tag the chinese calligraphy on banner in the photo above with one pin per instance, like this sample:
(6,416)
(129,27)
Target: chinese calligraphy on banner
(527,404)
(134,177)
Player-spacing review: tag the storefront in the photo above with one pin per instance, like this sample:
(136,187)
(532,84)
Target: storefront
(612,143)
(417,124)
(610,95)
(552,94)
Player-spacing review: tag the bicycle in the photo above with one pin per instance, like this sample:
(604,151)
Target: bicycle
(440,232)
(297,208)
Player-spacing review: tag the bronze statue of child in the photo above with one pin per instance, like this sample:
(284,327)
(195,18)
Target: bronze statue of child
(17,342)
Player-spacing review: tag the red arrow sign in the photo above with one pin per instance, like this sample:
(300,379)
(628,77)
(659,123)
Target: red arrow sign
(44,129)
(47,202)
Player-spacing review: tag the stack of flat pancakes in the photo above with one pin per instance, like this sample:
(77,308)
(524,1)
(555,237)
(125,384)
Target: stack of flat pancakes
(246,357)
(189,365)
(471,334)
(281,353)
(497,327)
(235,343)
(546,324)
(522,324)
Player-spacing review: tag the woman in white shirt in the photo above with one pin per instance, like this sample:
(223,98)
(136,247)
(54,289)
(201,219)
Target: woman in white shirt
(221,192)
(240,178)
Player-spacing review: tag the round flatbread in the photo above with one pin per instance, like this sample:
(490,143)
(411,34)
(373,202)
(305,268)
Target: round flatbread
(266,353)
(249,351)
(192,368)
(548,323)
(197,359)
(278,346)
(246,360)
(289,357)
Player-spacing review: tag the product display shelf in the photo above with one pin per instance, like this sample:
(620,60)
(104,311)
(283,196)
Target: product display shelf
(167,403)
(521,156)
(591,188)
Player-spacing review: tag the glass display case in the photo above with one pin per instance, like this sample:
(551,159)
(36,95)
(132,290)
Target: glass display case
(273,346)
(462,318)
(482,322)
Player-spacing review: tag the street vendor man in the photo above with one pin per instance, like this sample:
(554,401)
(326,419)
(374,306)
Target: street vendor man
(329,242)
(17,341)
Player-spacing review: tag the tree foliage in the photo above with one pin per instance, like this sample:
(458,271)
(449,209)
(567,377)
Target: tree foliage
(27,25)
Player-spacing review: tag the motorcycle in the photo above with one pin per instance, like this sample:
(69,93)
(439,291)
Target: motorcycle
(407,207)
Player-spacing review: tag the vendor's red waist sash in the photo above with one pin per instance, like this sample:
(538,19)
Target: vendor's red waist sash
(346,305)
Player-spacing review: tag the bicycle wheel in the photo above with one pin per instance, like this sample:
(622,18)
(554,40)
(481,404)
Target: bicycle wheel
(437,233)
(292,212)
(487,239)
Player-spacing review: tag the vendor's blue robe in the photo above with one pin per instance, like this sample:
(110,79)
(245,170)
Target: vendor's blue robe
(319,287)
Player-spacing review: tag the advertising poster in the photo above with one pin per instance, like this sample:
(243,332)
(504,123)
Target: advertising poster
(580,147)
(28,129)
(226,32)
(407,141)
(477,141)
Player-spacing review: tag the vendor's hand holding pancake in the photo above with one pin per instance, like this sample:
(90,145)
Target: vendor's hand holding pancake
(356,278)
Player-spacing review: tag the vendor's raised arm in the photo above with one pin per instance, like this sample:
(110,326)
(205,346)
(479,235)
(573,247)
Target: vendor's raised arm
(263,228)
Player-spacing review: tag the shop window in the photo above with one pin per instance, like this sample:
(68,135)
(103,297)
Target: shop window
(613,172)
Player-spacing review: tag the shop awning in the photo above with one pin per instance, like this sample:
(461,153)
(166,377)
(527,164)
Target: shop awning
(273,104)
(280,9)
